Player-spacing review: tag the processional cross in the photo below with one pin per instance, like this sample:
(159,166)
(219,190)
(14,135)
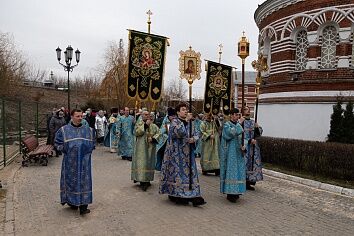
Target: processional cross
(220,52)
(149,13)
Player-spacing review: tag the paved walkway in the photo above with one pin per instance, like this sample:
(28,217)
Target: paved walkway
(277,207)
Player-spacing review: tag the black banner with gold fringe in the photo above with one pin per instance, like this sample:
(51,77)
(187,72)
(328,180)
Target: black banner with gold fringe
(146,65)
(218,86)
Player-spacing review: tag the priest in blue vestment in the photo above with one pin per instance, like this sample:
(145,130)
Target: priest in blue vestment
(110,139)
(253,152)
(125,128)
(232,161)
(76,142)
(179,175)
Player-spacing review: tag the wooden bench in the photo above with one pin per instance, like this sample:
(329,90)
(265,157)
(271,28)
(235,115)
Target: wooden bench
(33,152)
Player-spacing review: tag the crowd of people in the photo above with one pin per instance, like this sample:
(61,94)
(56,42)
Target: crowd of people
(169,144)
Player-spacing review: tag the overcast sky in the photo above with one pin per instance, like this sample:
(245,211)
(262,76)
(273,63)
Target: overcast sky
(40,26)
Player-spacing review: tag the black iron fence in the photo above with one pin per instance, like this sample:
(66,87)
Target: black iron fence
(17,119)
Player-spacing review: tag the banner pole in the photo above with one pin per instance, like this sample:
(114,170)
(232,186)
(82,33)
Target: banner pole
(190,82)
(149,13)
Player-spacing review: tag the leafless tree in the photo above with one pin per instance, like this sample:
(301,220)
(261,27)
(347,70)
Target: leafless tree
(13,67)
(35,75)
(175,90)
(114,84)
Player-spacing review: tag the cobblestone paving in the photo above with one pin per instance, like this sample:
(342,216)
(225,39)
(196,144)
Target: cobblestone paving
(277,207)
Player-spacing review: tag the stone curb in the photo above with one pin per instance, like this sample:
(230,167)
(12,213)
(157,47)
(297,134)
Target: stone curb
(9,224)
(312,183)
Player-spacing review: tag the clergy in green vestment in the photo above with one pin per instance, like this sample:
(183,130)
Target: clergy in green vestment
(143,163)
(210,144)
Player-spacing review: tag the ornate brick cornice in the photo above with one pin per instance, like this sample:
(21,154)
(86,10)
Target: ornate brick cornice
(270,6)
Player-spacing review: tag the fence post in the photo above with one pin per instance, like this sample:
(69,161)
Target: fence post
(3,130)
(37,120)
(19,124)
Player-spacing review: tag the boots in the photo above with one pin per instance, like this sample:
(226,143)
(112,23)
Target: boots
(249,187)
(84,210)
(182,201)
(217,172)
(172,198)
(144,185)
(198,201)
(232,197)
(178,200)
(73,207)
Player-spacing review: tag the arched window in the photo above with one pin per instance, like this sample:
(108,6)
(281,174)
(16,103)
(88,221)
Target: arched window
(267,53)
(302,45)
(328,50)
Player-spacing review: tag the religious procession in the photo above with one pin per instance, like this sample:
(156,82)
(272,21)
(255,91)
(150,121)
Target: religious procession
(215,119)
(221,138)
(226,149)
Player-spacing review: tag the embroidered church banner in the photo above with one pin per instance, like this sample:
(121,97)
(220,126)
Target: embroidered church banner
(146,65)
(217,88)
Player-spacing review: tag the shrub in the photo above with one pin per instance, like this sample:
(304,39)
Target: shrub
(335,160)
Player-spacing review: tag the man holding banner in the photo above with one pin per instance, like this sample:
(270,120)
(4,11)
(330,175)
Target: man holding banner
(143,164)
(253,154)
(179,175)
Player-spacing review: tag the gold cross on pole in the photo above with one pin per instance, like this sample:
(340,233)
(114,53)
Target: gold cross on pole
(220,51)
(149,13)
(260,65)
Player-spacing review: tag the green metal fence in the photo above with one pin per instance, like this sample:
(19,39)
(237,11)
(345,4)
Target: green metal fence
(18,119)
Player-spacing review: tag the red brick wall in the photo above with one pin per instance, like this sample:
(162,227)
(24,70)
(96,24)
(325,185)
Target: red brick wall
(302,7)
(283,55)
(337,74)
(250,96)
(344,49)
(314,51)
(319,85)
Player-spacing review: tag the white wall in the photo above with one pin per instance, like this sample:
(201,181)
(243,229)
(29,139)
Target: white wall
(296,121)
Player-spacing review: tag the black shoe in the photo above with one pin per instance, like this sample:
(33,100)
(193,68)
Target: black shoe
(172,198)
(232,197)
(83,212)
(204,173)
(249,187)
(182,201)
(217,172)
(124,158)
(144,186)
(129,158)
(73,207)
(198,201)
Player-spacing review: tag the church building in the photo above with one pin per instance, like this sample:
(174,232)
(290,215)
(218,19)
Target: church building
(310,54)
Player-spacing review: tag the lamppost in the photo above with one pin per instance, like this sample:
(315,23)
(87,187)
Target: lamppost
(68,67)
